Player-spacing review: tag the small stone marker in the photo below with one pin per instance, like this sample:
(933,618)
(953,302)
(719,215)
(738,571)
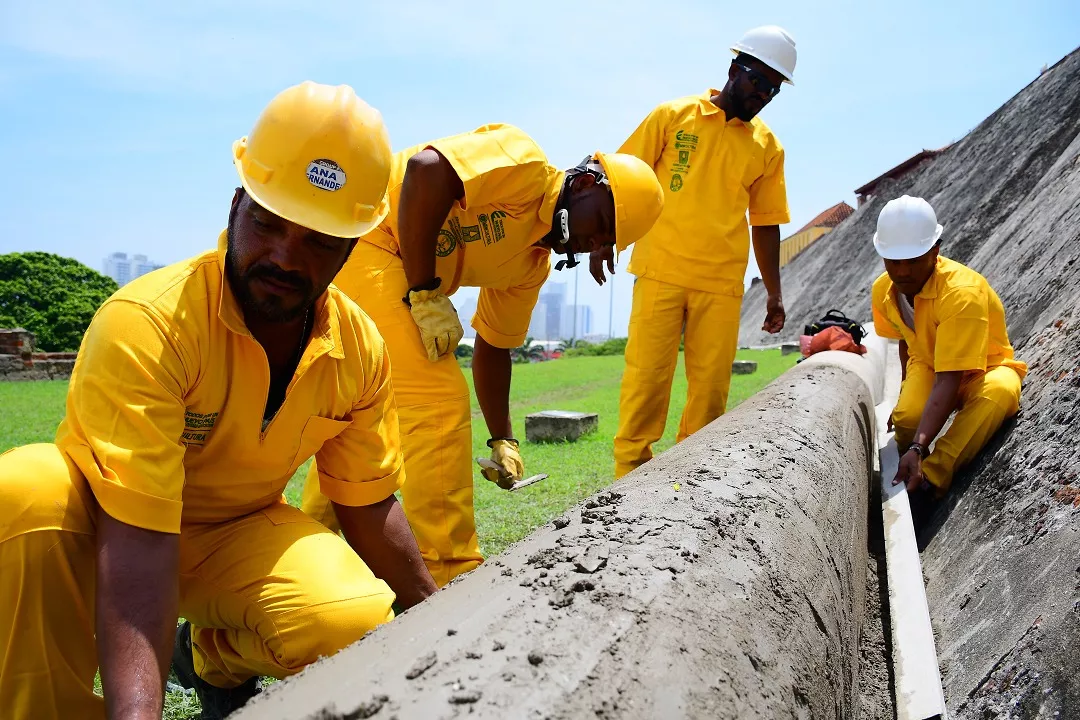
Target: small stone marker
(744,367)
(789,347)
(559,425)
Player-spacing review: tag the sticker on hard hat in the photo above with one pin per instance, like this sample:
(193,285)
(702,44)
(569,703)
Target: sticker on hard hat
(326,175)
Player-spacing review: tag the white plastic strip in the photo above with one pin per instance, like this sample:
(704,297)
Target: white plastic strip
(918,690)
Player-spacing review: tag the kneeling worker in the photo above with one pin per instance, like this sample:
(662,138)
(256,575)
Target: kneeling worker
(480,209)
(198,391)
(954,348)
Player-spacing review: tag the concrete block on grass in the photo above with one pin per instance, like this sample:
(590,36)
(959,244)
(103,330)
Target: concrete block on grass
(744,367)
(790,348)
(559,425)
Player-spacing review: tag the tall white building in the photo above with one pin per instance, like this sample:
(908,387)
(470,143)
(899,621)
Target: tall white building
(123,269)
(582,327)
(466,308)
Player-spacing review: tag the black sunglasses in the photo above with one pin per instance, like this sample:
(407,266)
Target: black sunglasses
(759,81)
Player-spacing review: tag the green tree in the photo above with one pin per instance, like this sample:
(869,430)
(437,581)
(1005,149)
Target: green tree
(530,351)
(53,297)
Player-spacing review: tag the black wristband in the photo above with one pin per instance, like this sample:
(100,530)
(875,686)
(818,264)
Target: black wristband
(923,451)
(508,439)
(432,284)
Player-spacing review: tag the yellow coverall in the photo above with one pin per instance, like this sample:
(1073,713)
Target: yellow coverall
(164,429)
(959,326)
(690,266)
(487,241)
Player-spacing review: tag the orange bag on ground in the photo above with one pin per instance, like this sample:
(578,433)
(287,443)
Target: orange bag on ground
(831,338)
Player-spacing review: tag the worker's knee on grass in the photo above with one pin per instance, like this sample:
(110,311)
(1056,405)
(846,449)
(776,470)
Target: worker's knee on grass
(323,630)
(41,488)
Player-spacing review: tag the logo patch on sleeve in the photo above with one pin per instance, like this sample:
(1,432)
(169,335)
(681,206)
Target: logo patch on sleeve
(197,427)
(326,175)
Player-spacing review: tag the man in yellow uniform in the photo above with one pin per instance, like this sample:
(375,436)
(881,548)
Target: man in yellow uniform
(198,391)
(954,348)
(716,159)
(479,209)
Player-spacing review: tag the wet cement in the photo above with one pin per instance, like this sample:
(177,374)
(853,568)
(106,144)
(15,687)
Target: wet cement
(725,579)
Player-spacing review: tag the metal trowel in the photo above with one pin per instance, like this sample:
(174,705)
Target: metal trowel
(492,465)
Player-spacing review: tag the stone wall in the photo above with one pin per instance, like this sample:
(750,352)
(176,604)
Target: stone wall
(19,361)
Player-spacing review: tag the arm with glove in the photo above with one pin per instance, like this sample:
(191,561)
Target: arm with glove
(491,368)
(428,192)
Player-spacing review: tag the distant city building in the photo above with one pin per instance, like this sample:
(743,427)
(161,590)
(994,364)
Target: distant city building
(466,308)
(123,269)
(809,233)
(546,321)
(584,321)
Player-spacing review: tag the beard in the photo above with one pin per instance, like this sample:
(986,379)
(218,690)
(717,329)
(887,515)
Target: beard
(738,104)
(268,308)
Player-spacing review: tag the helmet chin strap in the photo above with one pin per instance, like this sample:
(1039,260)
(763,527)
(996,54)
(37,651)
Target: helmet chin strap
(560,222)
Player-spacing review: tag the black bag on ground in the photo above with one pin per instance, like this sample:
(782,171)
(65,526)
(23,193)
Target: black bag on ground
(835,318)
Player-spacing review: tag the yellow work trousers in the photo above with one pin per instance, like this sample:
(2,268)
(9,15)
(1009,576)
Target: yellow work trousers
(266,593)
(433,415)
(659,313)
(987,399)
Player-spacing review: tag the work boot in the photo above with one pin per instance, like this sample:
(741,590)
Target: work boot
(217,703)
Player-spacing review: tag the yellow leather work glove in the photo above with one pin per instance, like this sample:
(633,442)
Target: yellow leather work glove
(505,454)
(440,328)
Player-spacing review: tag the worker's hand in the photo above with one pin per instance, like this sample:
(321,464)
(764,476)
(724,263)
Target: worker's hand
(506,455)
(910,471)
(597,259)
(440,328)
(774,314)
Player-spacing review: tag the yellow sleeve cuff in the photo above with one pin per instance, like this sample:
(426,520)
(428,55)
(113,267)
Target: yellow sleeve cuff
(495,338)
(137,509)
(357,494)
(972,362)
(776,218)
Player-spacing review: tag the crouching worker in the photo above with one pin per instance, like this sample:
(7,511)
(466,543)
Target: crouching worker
(198,391)
(479,209)
(954,349)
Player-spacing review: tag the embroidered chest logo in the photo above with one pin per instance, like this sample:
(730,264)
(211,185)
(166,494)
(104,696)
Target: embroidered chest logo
(197,427)
(488,228)
(685,145)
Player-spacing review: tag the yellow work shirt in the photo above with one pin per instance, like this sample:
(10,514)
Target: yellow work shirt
(489,238)
(165,405)
(959,321)
(712,170)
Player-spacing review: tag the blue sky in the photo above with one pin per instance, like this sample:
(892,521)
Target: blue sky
(116,118)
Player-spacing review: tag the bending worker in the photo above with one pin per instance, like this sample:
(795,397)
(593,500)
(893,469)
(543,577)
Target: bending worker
(954,348)
(198,391)
(716,159)
(480,209)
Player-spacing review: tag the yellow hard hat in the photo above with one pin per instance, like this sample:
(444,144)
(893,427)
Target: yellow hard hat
(639,198)
(320,157)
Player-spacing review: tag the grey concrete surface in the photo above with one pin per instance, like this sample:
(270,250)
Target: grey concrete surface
(726,578)
(744,367)
(559,425)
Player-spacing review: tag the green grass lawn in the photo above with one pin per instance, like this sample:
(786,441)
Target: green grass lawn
(33,409)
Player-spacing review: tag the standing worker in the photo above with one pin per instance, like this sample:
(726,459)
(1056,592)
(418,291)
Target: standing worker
(198,390)
(954,348)
(715,159)
(479,209)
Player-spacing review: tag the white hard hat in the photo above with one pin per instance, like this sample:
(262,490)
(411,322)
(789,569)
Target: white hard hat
(773,46)
(907,228)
